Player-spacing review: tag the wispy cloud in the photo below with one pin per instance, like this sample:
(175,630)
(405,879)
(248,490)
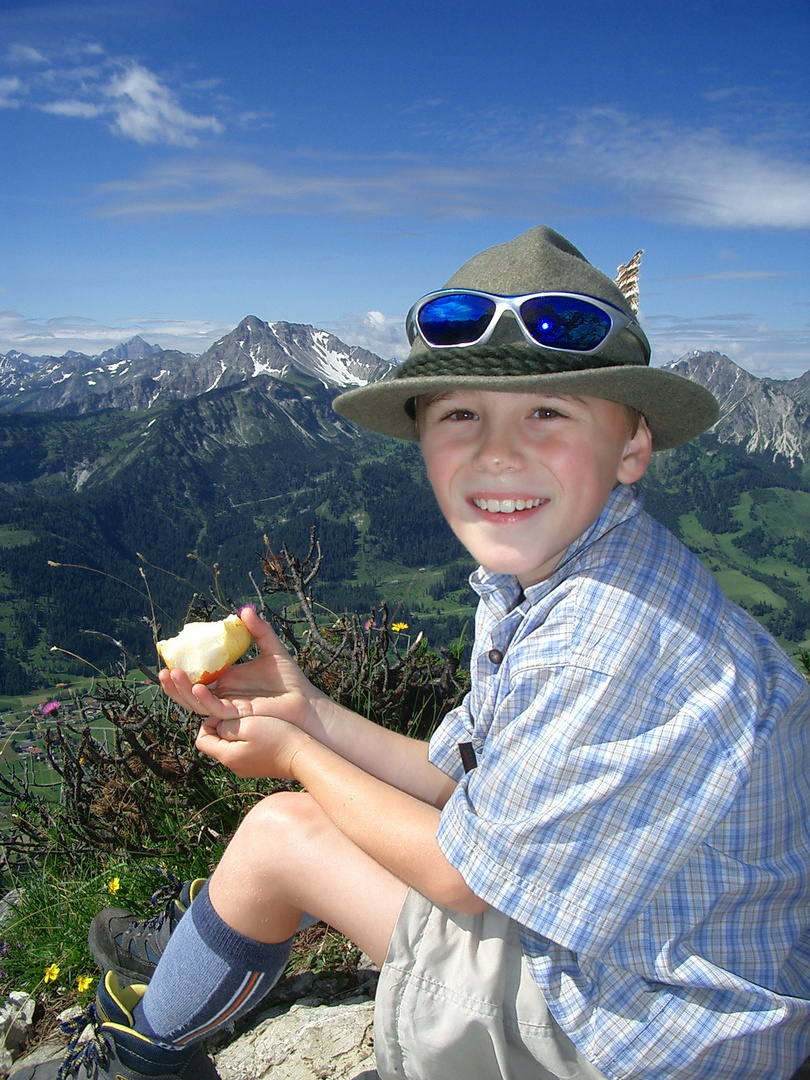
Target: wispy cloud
(56,336)
(592,161)
(24,54)
(379,333)
(85,82)
(759,348)
(11,91)
(755,346)
(308,183)
(741,275)
(694,176)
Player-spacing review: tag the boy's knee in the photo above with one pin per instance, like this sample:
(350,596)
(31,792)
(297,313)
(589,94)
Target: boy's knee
(282,818)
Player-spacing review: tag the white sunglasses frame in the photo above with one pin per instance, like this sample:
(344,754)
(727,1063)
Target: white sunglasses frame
(619,320)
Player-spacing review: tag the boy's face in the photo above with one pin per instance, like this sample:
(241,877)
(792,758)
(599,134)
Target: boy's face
(520,476)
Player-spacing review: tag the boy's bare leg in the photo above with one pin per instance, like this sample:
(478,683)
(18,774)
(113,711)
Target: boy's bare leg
(287,858)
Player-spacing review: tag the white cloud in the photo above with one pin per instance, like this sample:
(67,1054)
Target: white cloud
(82,81)
(359,186)
(730,275)
(24,54)
(591,161)
(760,349)
(82,109)
(755,346)
(56,336)
(10,87)
(379,333)
(146,111)
(694,176)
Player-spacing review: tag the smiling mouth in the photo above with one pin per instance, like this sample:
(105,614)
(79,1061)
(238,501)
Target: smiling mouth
(506,506)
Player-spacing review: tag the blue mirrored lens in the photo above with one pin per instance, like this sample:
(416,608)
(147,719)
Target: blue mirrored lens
(455,320)
(562,322)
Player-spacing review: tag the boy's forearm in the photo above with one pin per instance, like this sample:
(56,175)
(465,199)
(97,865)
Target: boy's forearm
(397,829)
(395,759)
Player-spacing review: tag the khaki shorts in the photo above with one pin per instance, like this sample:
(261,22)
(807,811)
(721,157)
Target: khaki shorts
(456,1001)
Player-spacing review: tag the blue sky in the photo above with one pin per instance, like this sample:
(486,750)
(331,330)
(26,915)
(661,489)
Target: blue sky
(170,167)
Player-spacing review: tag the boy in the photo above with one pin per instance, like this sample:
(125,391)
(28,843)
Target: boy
(599,865)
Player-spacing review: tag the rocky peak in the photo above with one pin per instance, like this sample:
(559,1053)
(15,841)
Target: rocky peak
(766,416)
(137,375)
(134,349)
(260,348)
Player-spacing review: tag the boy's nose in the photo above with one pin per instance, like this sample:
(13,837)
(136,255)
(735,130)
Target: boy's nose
(498,450)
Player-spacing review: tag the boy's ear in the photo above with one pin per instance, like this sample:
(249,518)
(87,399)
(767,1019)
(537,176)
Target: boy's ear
(637,454)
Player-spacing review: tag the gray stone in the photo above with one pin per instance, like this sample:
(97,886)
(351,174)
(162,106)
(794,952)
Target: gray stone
(16,1022)
(307,1042)
(314,1027)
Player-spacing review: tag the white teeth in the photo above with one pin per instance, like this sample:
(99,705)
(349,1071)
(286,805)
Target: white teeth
(506,506)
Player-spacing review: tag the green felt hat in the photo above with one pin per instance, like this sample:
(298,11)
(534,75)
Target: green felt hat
(540,260)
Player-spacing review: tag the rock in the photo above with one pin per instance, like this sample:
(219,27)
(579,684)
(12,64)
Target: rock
(8,904)
(311,1027)
(16,1021)
(47,1051)
(308,1042)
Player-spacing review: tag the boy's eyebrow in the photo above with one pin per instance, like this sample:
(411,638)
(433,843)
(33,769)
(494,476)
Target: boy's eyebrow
(425,400)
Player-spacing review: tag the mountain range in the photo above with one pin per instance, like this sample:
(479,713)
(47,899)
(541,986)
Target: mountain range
(764,415)
(132,479)
(136,375)
(768,416)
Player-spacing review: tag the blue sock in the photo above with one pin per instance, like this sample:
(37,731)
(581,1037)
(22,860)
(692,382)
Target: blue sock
(208,976)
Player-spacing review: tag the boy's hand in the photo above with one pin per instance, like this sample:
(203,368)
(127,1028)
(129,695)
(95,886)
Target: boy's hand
(270,685)
(252,746)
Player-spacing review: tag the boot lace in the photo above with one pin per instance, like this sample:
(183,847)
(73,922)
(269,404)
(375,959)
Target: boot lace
(94,1054)
(162,898)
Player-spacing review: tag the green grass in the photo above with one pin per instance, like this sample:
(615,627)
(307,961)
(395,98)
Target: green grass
(745,591)
(11,537)
(46,934)
(752,582)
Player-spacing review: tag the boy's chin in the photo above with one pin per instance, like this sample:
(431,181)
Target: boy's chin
(526,573)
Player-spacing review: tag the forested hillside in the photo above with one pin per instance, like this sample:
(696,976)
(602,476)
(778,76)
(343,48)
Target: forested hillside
(210,477)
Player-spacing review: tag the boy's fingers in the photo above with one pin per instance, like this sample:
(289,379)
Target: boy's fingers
(207,742)
(176,685)
(165,680)
(197,698)
(263,633)
(206,701)
(229,730)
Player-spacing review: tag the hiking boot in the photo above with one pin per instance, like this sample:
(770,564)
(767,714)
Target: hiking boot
(131,947)
(115,1051)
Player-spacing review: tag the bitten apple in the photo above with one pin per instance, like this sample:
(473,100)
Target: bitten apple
(205,649)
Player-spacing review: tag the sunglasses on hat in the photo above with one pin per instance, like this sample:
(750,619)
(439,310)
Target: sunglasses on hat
(571,322)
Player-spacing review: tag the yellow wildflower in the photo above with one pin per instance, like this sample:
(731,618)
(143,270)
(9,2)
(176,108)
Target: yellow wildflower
(397,626)
(51,973)
(83,982)
(113,886)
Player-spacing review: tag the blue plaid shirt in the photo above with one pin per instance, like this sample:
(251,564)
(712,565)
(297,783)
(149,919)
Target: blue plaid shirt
(641,806)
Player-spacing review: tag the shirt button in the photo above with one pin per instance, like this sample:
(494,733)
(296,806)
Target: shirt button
(495,656)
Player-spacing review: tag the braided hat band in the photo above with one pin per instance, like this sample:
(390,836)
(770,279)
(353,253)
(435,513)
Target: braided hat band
(540,260)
